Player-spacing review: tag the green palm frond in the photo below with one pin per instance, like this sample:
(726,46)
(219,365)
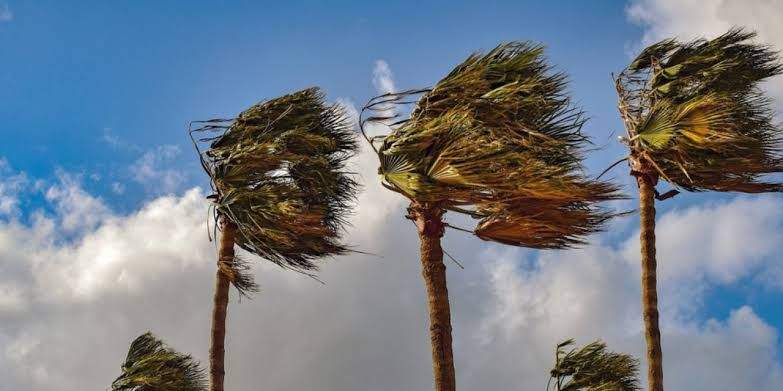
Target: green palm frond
(498,139)
(278,172)
(153,366)
(695,112)
(593,368)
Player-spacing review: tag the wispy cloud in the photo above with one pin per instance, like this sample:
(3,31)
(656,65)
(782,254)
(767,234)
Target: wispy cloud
(152,170)
(117,188)
(10,187)
(117,142)
(382,77)
(5,13)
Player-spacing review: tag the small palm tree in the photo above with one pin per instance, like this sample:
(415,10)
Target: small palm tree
(153,366)
(696,118)
(592,368)
(280,192)
(496,140)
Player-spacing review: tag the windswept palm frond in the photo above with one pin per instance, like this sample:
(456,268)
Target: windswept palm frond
(278,172)
(593,368)
(534,224)
(497,139)
(695,113)
(153,366)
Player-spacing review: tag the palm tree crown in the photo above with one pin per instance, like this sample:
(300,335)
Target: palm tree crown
(280,192)
(695,115)
(278,172)
(593,368)
(153,366)
(498,140)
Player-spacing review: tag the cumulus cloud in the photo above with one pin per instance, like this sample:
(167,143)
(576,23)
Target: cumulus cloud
(83,298)
(75,294)
(76,209)
(727,251)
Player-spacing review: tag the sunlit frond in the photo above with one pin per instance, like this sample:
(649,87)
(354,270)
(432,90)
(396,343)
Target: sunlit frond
(499,137)
(278,172)
(536,224)
(695,112)
(153,366)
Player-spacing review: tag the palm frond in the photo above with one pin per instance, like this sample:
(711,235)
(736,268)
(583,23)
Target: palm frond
(500,138)
(535,224)
(278,172)
(593,368)
(239,273)
(153,366)
(695,111)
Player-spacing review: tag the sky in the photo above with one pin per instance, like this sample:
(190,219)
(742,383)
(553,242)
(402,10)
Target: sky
(103,212)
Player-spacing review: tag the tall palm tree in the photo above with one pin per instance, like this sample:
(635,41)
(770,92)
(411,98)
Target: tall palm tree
(153,366)
(592,368)
(496,140)
(696,118)
(280,192)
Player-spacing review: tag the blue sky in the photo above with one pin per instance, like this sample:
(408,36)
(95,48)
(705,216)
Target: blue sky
(73,72)
(96,97)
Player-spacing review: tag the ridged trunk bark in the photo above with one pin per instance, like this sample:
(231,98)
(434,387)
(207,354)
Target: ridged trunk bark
(217,349)
(649,282)
(430,228)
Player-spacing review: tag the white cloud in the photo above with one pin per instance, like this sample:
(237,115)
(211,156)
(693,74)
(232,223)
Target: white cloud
(153,169)
(11,298)
(78,210)
(10,187)
(86,295)
(5,13)
(79,296)
(736,354)
(690,19)
(700,241)
(382,77)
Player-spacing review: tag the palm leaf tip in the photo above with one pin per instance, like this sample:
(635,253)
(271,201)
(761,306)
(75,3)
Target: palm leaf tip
(695,112)
(152,366)
(497,132)
(593,368)
(279,173)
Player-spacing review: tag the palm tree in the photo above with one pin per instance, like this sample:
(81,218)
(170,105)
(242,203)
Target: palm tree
(696,118)
(496,140)
(153,366)
(281,192)
(592,368)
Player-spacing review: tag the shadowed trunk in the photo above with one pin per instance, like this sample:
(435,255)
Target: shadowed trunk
(430,228)
(649,282)
(220,302)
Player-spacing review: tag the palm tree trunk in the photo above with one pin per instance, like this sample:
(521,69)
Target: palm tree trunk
(220,306)
(430,227)
(649,282)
